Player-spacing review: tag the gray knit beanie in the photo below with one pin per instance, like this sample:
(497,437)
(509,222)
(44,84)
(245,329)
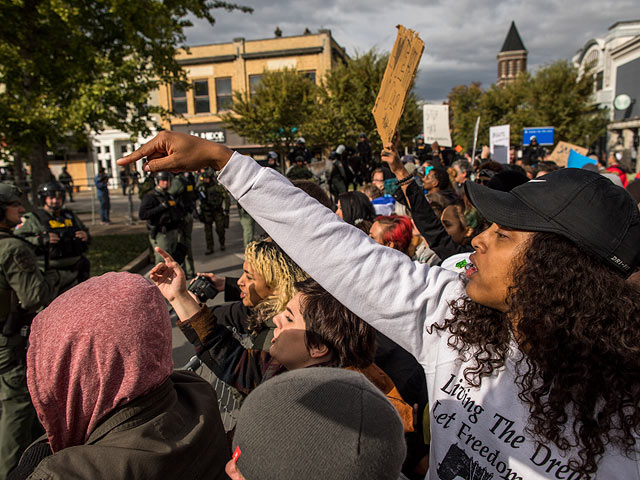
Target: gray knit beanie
(319,423)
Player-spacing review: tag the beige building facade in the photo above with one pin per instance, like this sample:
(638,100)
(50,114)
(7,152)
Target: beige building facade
(614,59)
(217,71)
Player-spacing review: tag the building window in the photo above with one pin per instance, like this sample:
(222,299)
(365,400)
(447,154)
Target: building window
(106,149)
(179,99)
(201,95)
(254,81)
(224,94)
(98,150)
(123,149)
(310,74)
(591,60)
(599,80)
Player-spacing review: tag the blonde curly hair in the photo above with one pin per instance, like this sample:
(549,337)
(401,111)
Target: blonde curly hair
(279,273)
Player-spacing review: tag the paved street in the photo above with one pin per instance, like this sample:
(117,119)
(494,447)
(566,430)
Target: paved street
(227,263)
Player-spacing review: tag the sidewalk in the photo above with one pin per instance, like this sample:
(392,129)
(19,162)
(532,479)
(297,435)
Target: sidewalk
(87,208)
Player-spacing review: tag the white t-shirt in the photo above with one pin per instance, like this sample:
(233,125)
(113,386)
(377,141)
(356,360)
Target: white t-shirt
(476,433)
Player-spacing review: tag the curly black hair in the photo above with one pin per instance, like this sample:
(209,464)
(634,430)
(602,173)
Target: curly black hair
(578,330)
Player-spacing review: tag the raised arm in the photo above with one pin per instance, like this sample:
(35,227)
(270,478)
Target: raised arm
(379,284)
(427,222)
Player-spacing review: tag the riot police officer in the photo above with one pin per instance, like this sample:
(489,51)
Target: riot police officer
(23,290)
(184,191)
(163,215)
(213,206)
(59,234)
(66,180)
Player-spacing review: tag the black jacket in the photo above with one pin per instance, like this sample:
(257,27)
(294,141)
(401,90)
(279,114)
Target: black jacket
(173,432)
(430,226)
(160,210)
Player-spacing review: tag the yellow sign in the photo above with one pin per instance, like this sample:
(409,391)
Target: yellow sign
(396,83)
(56,224)
(172,203)
(560,154)
(189,188)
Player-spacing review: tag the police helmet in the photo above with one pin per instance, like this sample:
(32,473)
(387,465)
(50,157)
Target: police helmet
(208,173)
(51,189)
(301,141)
(163,176)
(9,194)
(273,155)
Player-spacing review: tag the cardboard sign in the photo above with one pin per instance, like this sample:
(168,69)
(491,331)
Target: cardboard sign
(560,154)
(576,160)
(436,124)
(499,143)
(396,82)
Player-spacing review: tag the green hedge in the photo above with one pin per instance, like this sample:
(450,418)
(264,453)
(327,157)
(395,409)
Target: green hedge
(109,253)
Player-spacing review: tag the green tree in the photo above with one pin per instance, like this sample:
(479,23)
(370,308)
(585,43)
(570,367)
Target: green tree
(277,112)
(554,96)
(67,66)
(464,108)
(563,99)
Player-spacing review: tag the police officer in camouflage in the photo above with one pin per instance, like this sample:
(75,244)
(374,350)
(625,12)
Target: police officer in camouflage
(163,215)
(213,206)
(58,234)
(23,290)
(183,188)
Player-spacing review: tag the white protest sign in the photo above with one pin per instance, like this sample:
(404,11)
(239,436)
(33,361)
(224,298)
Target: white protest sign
(499,143)
(475,138)
(436,124)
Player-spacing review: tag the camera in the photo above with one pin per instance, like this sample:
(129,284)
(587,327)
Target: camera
(203,288)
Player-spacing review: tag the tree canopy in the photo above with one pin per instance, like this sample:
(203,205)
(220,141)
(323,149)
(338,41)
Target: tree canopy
(326,115)
(71,65)
(282,105)
(554,96)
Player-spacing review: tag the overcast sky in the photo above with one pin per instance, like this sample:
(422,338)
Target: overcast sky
(462,37)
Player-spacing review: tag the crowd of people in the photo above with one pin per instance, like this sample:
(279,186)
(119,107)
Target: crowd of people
(425,315)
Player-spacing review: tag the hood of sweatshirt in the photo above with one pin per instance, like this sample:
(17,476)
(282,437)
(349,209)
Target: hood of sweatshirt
(96,347)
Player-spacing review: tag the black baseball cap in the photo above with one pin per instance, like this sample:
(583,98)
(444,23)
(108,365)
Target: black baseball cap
(583,206)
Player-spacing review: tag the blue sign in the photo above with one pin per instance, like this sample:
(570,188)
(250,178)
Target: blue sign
(578,161)
(544,135)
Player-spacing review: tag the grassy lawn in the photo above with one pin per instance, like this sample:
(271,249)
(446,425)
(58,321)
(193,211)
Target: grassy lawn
(108,253)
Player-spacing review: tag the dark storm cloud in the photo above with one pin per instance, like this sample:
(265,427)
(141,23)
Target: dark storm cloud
(462,37)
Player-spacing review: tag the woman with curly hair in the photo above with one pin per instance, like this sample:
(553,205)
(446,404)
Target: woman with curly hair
(532,360)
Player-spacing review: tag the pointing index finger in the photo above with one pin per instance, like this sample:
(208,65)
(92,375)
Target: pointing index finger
(144,151)
(167,258)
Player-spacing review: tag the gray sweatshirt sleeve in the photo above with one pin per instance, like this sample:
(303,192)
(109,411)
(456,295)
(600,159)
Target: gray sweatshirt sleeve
(381,285)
